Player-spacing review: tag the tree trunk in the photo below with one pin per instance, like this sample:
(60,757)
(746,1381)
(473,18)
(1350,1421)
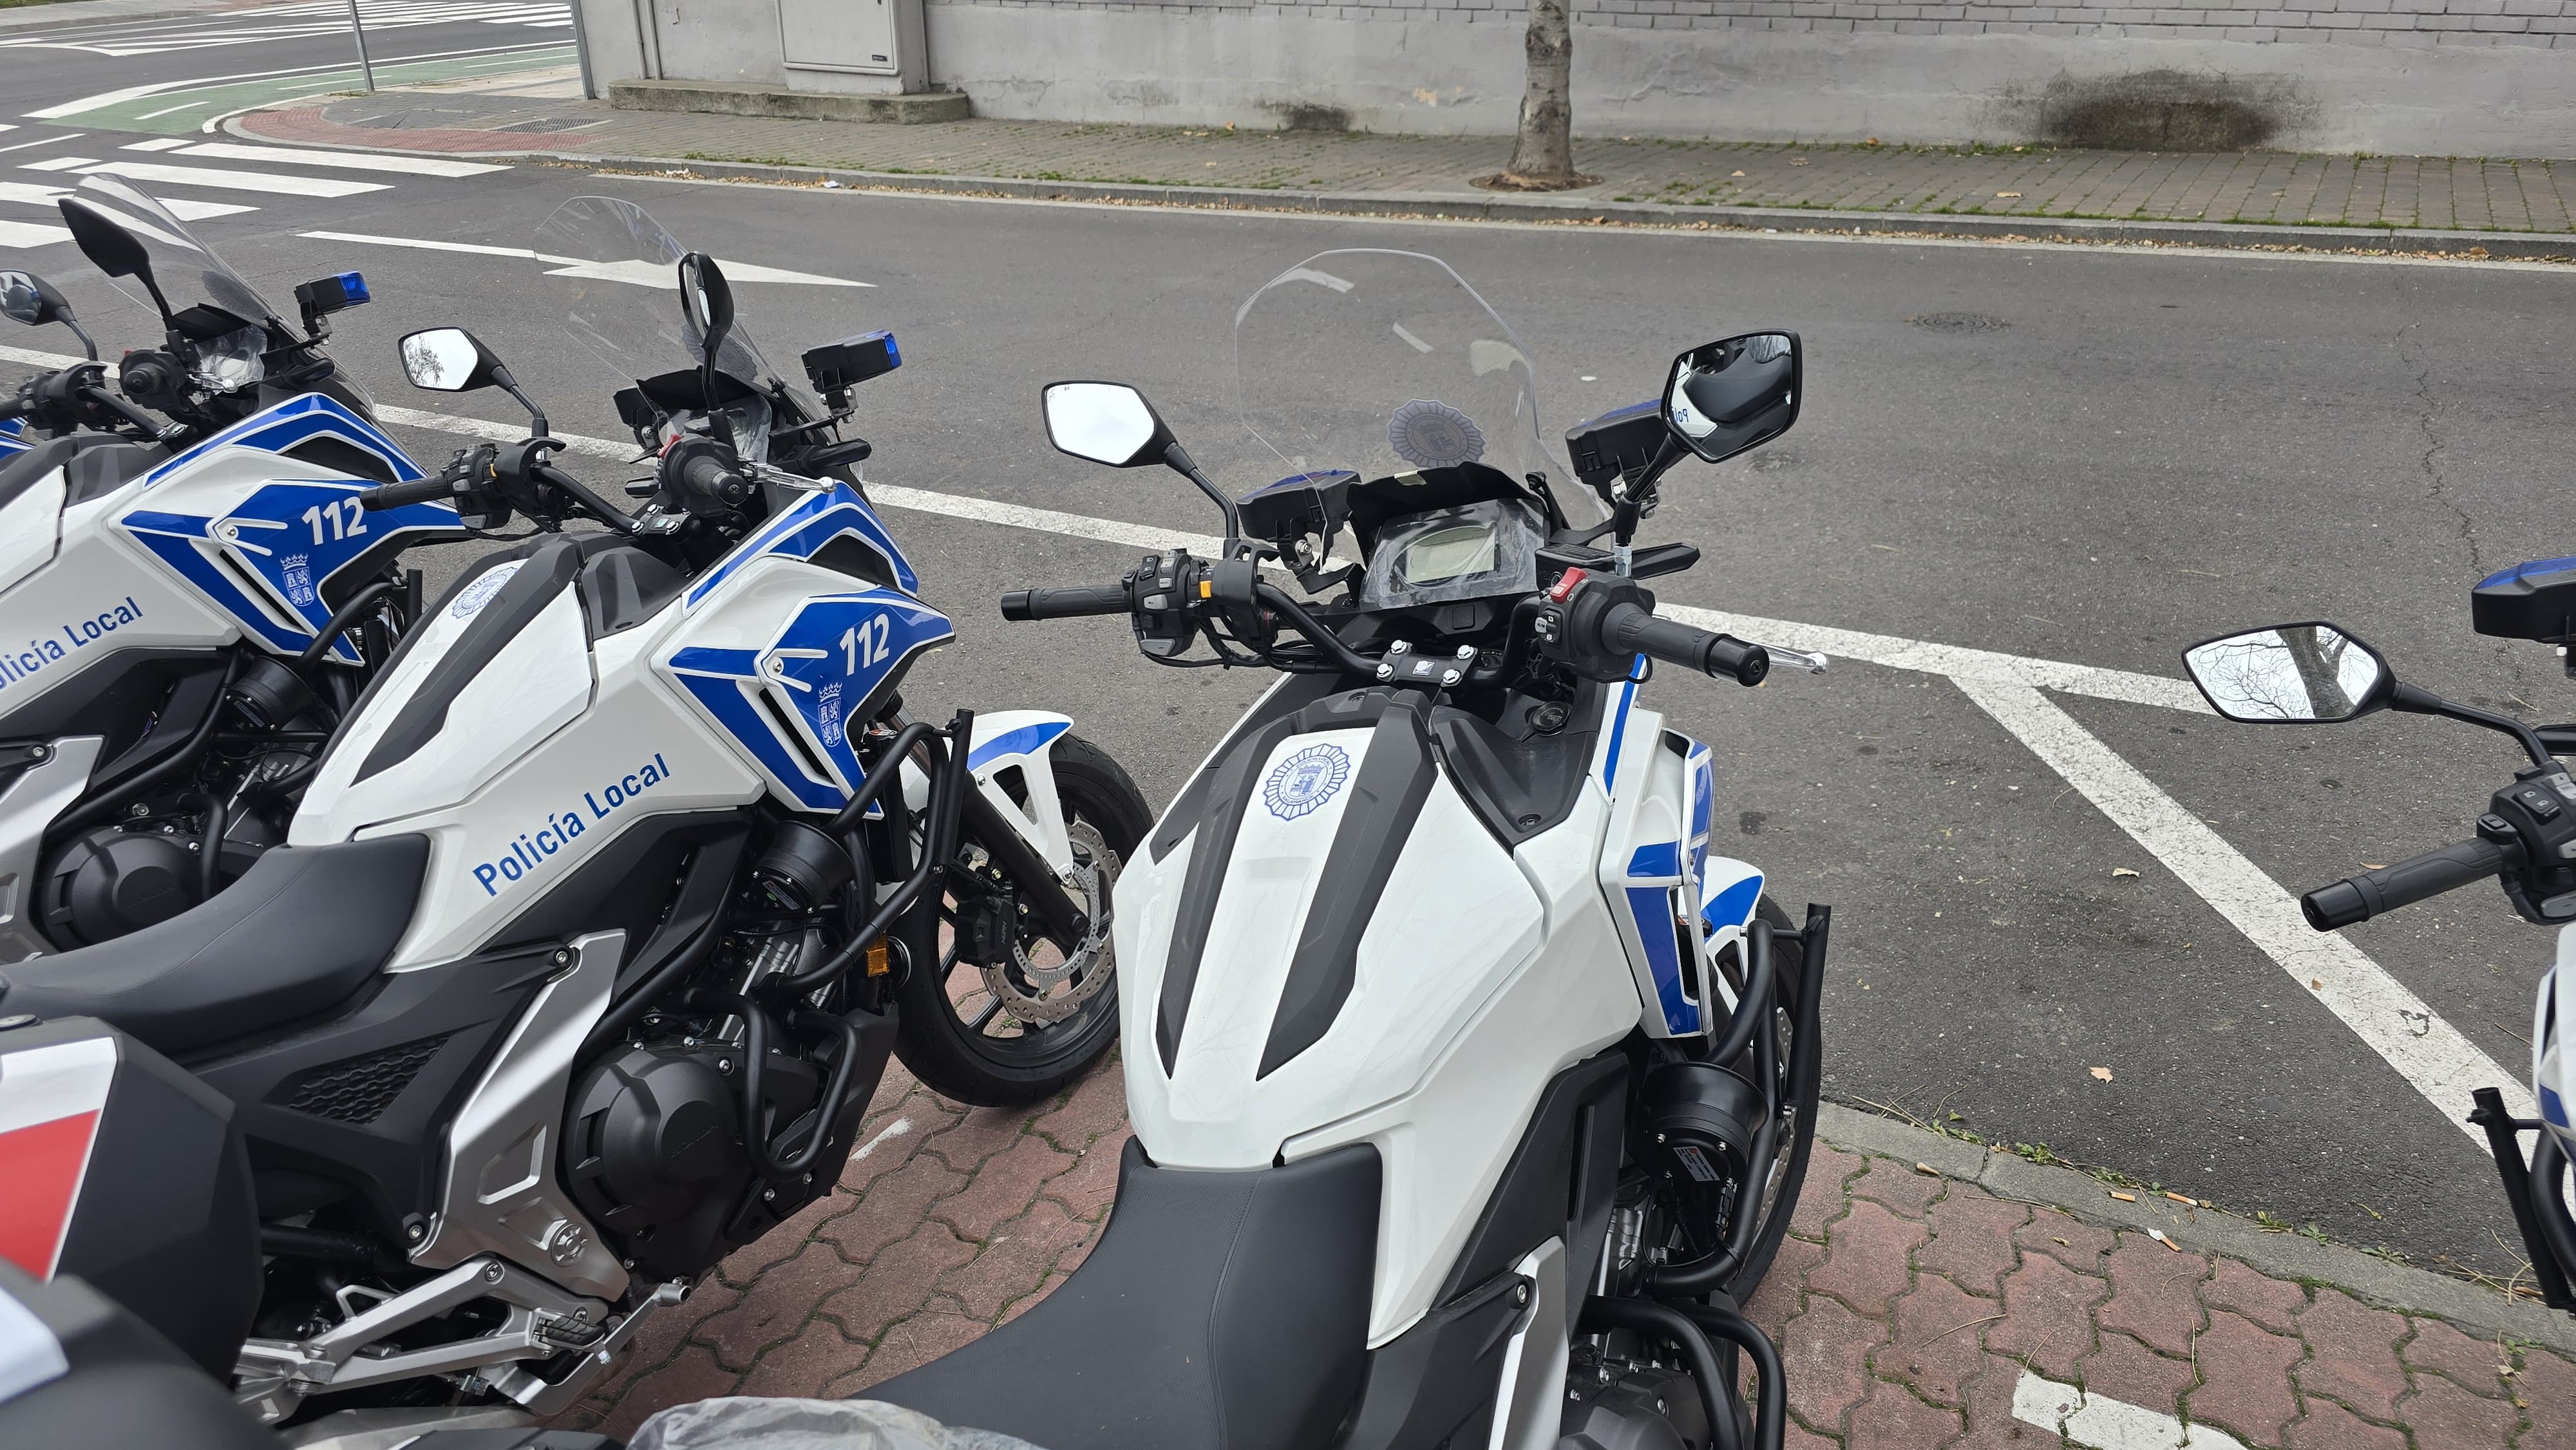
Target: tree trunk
(1545,153)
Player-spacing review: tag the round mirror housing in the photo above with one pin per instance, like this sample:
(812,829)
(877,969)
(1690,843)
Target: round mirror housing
(446,360)
(2294,674)
(1734,394)
(1106,423)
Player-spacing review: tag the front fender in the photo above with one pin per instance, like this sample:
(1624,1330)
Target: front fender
(1005,741)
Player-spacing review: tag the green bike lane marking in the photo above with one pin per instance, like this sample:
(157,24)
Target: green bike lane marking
(185,108)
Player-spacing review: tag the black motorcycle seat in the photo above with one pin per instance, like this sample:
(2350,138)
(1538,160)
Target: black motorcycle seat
(20,473)
(302,930)
(1219,1311)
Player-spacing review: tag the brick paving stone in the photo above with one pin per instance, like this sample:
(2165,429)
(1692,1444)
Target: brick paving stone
(1991,1424)
(2353,1354)
(2330,1426)
(1024,1305)
(1898,1186)
(2443,1416)
(692,1374)
(908,1346)
(2473,1364)
(799,1368)
(1892,1419)
(2153,1293)
(1824,1360)
(1936,1346)
(1088,1188)
(2058,1234)
(776,1305)
(1821,1201)
(1799,1437)
(967,1142)
(1094,1105)
(1972,1239)
(2245,1378)
(1784,1288)
(1865,1258)
(2124,1369)
(2545,1389)
(2047,1319)
(1003,1186)
(899,1281)
(781,1243)
(2269,1302)
(1015,1259)
(892,1208)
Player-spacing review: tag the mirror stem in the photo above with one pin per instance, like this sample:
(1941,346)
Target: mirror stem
(82,333)
(1177,459)
(2408,700)
(508,384)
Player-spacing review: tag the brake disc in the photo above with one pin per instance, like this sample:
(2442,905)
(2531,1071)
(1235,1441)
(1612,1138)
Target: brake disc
(1023,987)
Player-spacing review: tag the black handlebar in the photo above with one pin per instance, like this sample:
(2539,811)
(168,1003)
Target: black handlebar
(16,407)
(1627,629)
(1067,603)
(400,495)
(2359,898)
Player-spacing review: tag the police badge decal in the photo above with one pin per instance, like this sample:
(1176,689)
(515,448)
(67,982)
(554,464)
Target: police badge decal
(1304,781)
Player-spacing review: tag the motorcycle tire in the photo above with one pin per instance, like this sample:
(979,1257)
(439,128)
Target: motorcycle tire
(982,1036)
(1798,1095)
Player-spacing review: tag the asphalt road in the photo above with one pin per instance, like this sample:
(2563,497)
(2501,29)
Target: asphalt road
(2067,455)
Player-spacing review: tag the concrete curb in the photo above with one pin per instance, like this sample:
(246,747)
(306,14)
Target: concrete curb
(1566,211)
(2281,1255)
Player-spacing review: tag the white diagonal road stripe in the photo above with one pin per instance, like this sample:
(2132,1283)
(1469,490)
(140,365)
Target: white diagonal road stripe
(274,184)
(348,160)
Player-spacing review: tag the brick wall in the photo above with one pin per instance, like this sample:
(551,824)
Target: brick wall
(2542,24)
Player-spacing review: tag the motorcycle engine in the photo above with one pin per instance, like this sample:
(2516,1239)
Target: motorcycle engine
(654,1152)
(1610,1405)
(113,881)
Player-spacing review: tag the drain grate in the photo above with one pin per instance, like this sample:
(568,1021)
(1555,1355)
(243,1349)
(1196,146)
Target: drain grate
(1958,322)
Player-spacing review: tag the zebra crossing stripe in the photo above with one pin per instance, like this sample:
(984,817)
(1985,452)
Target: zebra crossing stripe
(262,181)
(350,160)
(183,208)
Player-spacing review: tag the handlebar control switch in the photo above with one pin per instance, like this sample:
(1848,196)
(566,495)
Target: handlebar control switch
(2532,820)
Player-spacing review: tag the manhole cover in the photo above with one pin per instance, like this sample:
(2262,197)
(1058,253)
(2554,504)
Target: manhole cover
(1958,322)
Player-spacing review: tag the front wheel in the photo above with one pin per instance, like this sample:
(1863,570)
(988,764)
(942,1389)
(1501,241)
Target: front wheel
(1019,1025)
(1795,1097)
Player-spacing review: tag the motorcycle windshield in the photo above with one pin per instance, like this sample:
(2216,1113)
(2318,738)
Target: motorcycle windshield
(620,275)
(1384,363)
(187,270)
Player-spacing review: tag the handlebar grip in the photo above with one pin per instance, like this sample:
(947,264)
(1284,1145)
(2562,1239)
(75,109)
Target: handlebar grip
(1627,629)
(398,495)
(1069,603)
(2359,898)
(707,477)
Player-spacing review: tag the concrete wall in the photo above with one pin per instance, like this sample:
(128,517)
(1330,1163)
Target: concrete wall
(2439,77)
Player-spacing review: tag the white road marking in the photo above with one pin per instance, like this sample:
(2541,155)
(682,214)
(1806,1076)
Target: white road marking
(269,183)
(42,141)
(2103,1423)
(643,274)
(286,23)
(172,111)
(29,234)
(157,143)
(895,1129)
(2427,1051)
(350,160)
(199,83)
(180,207)
(2433,1056)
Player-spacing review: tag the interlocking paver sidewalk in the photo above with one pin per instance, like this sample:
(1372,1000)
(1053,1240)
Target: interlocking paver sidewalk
(1914,1311)
(2250,187)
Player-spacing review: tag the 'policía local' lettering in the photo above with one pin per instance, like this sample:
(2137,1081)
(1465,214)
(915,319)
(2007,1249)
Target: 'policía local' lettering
(46,649)
(530,849)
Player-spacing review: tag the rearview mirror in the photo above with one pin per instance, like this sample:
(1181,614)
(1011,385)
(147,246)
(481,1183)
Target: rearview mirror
(1107,423)
(2311,674)
(26,297)
(1734,394)
(447,360)
(708,300)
